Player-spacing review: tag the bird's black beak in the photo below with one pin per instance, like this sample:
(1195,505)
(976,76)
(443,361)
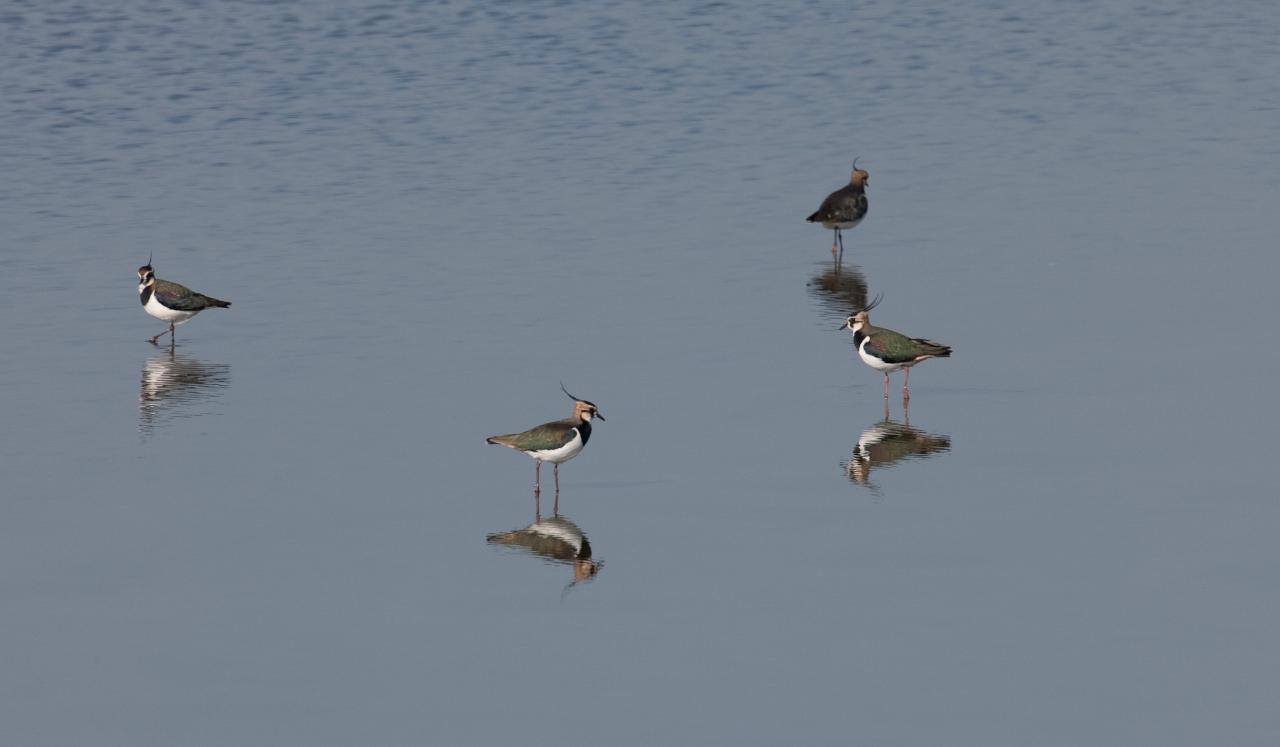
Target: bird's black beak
(842,326)
(598,415)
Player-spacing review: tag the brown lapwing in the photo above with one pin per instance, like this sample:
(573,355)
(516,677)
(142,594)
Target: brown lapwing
(886,350)
(843,208)
(556,442)
(170,302)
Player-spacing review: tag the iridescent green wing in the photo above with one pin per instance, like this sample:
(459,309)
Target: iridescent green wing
(178,297)
(542,438)
(892,347)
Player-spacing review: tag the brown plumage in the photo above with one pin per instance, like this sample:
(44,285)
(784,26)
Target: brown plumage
(843,208)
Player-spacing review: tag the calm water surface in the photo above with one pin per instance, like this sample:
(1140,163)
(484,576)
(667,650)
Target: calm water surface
(289,530)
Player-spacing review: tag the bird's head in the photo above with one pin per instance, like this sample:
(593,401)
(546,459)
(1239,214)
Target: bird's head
(146,276)
(582,409)
(859,178)
(860,318)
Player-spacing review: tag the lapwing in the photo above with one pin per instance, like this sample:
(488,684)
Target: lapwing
(556,442)
(886,350)
(170,302)
(843,208)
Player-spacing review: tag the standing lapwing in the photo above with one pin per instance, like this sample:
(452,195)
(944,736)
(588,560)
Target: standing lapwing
(556,442)
(170,302)
(843,208)
(886,350)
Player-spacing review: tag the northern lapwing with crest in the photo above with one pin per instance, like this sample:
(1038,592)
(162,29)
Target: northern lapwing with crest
(556,442)
(843,208)
(170,302)
(886,350)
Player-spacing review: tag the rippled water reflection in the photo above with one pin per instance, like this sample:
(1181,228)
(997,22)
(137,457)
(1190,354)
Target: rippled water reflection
(556,539)
(176,385)
(888,442)
(839,290)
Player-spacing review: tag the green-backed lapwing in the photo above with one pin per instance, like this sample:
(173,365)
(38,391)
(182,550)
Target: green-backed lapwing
(170,302)
(556,442)
(886,350)
(843,208)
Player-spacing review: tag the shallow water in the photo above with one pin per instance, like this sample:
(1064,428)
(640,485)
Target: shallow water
(427,216)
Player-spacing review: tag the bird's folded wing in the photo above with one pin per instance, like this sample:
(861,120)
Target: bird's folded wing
(178,297)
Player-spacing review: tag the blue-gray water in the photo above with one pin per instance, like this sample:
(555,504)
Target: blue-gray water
(427,215)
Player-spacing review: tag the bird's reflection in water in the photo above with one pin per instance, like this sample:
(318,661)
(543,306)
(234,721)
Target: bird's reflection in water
(888,442)
(172,383)
(839,291)
(557,540)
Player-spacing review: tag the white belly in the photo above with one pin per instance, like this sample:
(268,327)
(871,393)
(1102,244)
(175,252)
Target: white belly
(156,309)
(843,225)
(875,362)
(560,455)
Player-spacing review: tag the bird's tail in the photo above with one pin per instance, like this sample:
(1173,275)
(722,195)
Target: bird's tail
(933,349)
(501,441)
(217,302)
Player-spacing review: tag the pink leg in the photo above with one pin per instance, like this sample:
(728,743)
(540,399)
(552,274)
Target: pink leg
(556,472)
(168,331)
(886,386)
(906,391)
(555,505)
(537,478)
